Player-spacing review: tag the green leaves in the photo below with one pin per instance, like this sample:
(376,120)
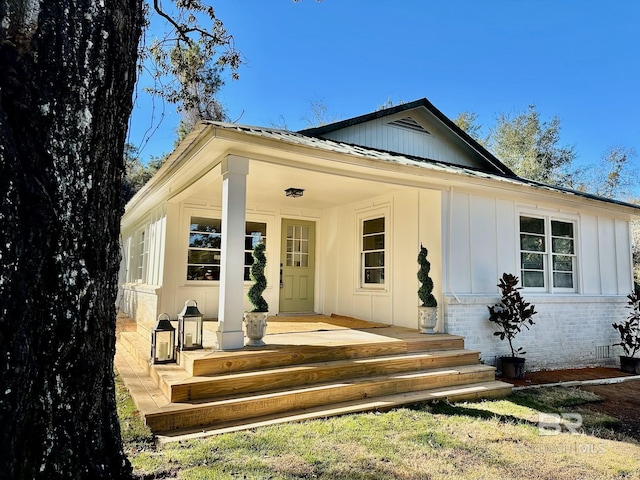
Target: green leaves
(426,284)
(629,330)
(256,273)
(512,313)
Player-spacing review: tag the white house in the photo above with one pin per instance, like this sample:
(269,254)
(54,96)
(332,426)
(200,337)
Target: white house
(374,188)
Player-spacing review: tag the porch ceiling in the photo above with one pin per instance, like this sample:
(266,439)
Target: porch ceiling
(267,182)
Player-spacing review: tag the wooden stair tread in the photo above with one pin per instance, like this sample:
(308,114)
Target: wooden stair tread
(463,392)
(182,389)
(243,407)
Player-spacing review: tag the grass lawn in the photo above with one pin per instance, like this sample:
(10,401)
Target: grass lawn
(473,440)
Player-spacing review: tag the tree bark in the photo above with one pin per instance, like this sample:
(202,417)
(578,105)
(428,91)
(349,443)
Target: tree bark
(67,71)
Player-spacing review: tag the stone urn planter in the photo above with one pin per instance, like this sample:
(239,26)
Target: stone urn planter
(427,319)
(256,328)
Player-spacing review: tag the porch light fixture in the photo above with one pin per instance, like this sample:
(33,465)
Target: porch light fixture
(163,341)
(294,192)
(190,327)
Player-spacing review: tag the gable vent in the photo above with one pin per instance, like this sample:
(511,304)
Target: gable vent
(410,124)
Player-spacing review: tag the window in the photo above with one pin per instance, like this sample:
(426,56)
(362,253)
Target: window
(138,256)
(372,252)
(205,242)
(547,254)
(297,246)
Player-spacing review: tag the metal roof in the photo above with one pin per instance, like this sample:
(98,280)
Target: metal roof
(302,139)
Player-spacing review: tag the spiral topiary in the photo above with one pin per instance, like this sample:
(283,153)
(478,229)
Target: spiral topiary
(256,273)
(426,284)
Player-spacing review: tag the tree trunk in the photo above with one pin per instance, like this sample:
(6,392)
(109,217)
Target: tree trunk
(67,71)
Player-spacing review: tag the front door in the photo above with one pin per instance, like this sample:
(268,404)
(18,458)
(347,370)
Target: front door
(297,262)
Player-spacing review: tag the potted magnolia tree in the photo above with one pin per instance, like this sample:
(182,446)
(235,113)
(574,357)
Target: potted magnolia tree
(256,319)
(510,315)
(629,331)
(428,309)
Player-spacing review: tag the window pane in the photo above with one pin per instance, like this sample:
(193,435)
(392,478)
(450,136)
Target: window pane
(304,234)
(373,242)
(304,260)
(211,225)
(251,240)
(248,258)
(203,273)
(532,279)
(532,261)
(532,225)
(289,259)
(532,243)
(203,257)
(563,280)
(563,263)
(205,240)
(253,228)
(304,247)
(562,245)
(374,259)
(374,275)
(561,229)
(375,225)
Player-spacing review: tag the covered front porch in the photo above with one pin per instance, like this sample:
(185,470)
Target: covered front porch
(349,244)
(313,366)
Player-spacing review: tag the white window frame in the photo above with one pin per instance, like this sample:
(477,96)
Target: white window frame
(138,255)
(217,216)
(361,218)
(548,254)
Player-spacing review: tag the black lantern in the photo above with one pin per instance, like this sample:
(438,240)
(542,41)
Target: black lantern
(190,327)
(294,192)
(163,341)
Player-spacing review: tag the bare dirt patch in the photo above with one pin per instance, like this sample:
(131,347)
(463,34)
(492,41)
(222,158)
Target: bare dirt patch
(619,400)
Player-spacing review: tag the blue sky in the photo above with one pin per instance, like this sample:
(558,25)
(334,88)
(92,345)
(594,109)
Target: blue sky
(575,59)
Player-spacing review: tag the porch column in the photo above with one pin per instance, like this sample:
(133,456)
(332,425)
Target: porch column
(230,314)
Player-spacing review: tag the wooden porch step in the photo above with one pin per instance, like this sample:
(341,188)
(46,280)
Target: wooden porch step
(371,343)
(181,415)
(201,387)
(492,389)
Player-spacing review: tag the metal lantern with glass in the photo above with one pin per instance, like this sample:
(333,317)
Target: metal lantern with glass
(190,327)
(163,341)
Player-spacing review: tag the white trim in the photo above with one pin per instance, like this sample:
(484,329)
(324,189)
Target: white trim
(548,217)
(362,215)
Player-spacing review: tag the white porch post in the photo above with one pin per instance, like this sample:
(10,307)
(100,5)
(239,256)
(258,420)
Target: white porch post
(234,189)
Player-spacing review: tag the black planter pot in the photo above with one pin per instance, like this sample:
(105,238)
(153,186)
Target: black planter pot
(630,365)
(512,367)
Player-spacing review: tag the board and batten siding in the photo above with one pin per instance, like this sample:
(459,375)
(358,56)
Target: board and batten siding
(412,217)
(380,135)
(481,243)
